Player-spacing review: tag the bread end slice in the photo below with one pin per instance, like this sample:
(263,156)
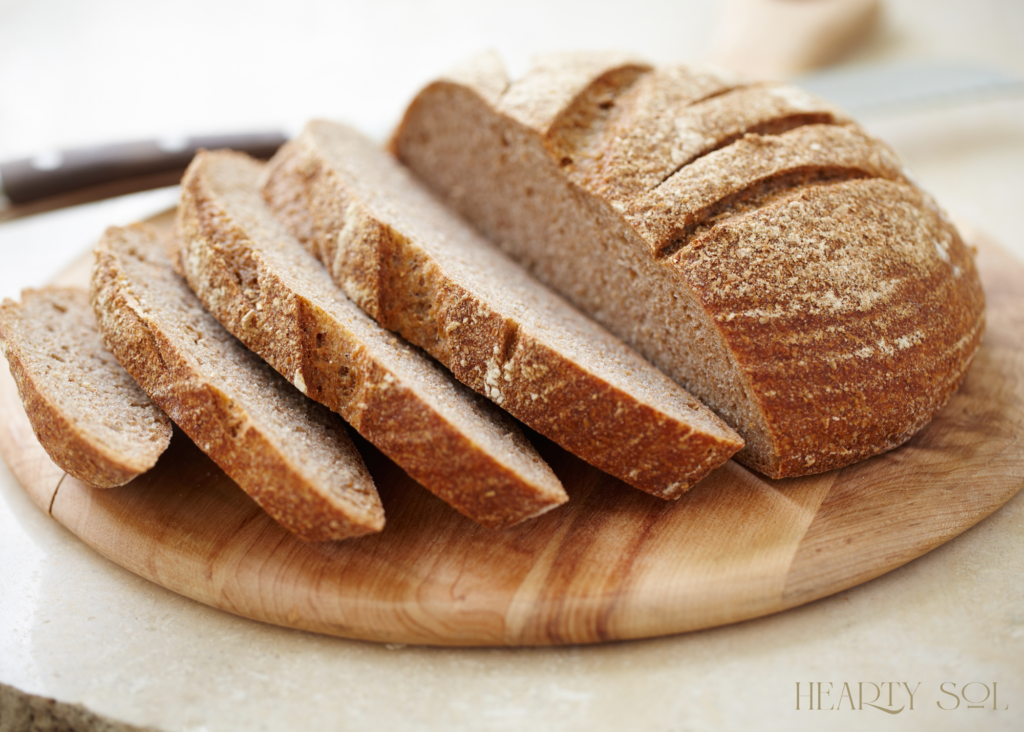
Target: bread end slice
(90,416)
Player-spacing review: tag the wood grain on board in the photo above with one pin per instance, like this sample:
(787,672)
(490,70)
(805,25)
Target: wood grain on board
(613,563)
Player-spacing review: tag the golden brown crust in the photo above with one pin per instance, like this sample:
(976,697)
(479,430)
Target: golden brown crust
(70,439)
(667,214)
(851,347)
(650,142)
(662,177)
(415,269)
(547,94)
(578,128)
(202,387)
(279,302)
(640,126)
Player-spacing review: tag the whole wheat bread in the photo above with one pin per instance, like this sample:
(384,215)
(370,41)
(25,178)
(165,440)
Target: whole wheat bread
(290,454)
(267,290)
(421,271)
(748,239)
(90,416)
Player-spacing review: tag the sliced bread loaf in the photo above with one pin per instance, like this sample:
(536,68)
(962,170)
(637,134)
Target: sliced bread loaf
(290,454)
(90,416)
(747,238)
(420,270)
(272,294)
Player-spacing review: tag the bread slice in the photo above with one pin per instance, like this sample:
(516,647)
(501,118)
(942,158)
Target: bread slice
(748,239)
(421,271)
(92,419)
(290,454)
(280,301)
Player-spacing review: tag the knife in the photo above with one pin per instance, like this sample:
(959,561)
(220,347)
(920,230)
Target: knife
(52,173)
(888,88)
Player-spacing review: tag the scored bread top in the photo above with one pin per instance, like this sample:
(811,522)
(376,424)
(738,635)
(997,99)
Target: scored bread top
(874,325)
(290,454)
(420,270)
(90,416)
(551,96)
(272,294)
(670,117)
(667,215)
(685,186)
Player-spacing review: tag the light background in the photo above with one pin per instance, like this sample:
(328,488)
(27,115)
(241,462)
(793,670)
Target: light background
(83,71)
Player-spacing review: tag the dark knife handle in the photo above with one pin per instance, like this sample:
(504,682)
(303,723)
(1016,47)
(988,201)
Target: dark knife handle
(70,170)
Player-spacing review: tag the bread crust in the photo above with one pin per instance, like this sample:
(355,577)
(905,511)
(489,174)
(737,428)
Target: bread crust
(841,362)
(285,308)
(666,215)
(68,440)
(545,97)
(666,120)
(416,270)
(667,176)
(193,389)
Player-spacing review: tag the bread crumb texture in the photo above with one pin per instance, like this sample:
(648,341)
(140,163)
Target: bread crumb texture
(290,454)
(90,416)
(272,293)
(420,270)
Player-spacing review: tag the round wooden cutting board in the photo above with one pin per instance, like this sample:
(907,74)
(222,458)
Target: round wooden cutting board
(613,563)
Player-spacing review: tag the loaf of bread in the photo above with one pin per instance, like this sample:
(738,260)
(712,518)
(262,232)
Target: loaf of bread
(748,239)
(90,416)
(290,454)
(274,296)
(421,271)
